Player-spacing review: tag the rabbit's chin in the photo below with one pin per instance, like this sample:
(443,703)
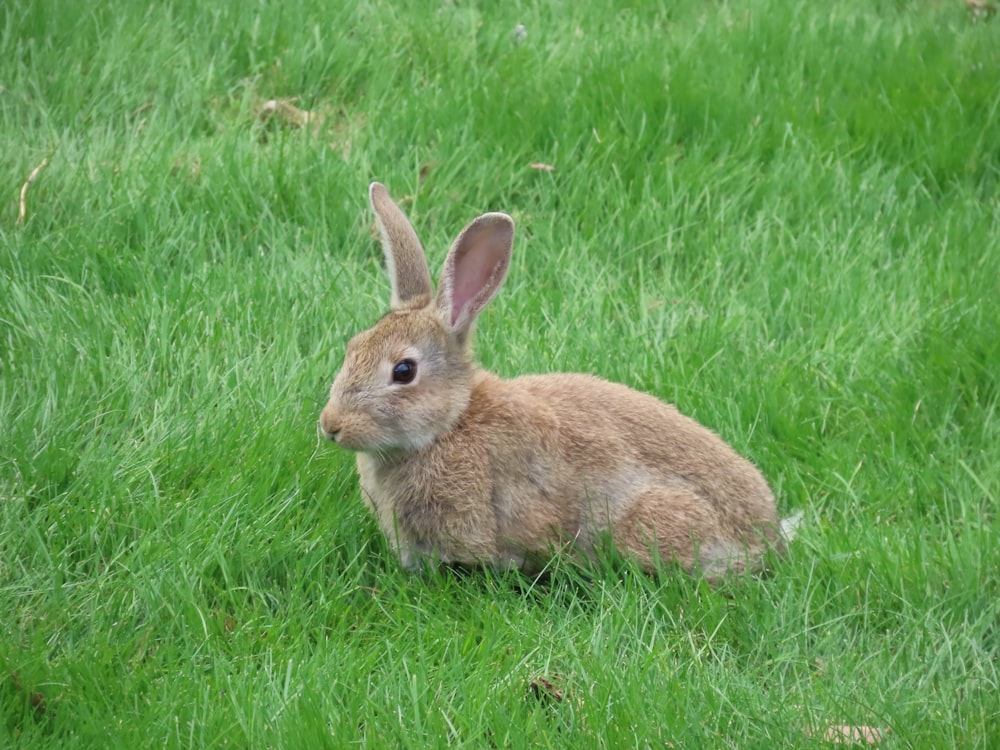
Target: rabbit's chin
(396,445)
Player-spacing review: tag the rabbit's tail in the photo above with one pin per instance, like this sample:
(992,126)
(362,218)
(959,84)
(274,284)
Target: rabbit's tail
(789,527)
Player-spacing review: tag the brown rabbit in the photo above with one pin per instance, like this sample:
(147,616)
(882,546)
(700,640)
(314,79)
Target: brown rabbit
(461,466)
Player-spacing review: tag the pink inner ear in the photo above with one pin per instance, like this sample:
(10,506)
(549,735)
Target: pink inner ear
(476,268)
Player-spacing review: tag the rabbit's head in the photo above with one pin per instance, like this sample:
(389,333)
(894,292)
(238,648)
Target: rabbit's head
(409,377)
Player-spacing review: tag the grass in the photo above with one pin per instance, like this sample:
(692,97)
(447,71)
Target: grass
(783,216)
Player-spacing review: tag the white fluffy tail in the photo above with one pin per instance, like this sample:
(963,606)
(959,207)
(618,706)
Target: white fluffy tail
(789,527)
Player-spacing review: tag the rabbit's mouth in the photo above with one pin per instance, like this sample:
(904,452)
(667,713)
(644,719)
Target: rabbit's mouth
(329,426)
(344,435)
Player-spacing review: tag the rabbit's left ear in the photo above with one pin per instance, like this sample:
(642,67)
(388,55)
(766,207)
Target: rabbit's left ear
(474,270)
(404,255)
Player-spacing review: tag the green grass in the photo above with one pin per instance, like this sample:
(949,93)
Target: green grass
(781,215)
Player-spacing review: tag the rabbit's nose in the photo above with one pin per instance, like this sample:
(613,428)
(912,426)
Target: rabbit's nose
(329,424)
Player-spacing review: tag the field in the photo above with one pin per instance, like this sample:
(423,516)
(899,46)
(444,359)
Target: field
(783,216)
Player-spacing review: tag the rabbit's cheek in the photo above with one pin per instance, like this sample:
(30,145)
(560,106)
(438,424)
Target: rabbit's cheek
(386,415)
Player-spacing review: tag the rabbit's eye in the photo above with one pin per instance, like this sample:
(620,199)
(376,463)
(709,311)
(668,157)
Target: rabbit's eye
(404,371)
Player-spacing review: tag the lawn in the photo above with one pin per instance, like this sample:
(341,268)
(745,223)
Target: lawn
(783,216)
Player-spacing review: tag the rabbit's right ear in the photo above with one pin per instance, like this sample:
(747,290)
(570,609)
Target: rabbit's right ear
(474,270)
(405,261)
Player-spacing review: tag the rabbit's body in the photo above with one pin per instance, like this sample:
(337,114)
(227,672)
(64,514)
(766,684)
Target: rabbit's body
(536,463)
(461,466)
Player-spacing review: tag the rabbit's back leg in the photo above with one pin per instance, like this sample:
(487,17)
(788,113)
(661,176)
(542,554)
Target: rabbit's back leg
(672,524)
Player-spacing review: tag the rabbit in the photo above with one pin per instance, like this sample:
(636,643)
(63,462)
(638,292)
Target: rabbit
(462,467)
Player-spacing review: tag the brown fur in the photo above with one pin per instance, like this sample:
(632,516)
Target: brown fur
(461,466)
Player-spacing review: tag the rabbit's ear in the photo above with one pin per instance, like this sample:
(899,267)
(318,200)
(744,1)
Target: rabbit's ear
(474,270)
(404,255)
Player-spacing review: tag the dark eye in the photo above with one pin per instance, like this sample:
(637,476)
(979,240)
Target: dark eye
(404,371)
